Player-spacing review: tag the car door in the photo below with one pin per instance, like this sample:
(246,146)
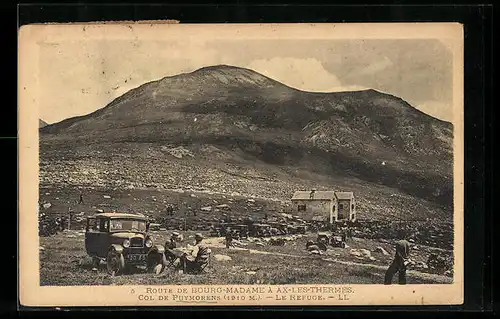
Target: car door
(91,235)
(103,236)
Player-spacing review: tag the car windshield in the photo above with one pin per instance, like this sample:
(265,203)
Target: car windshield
(127,224)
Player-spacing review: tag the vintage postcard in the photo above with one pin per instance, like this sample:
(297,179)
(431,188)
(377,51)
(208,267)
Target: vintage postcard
(246,164)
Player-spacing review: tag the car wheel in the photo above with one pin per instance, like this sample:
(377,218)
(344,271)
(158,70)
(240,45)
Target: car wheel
(157,263)
(95,263)
(115,263)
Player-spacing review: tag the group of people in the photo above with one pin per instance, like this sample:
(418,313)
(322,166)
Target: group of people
(49,226)
(198,257)
(190,262)
(230,235)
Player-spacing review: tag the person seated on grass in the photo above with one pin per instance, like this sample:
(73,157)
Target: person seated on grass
(170,245)
(172,242)
(198,258)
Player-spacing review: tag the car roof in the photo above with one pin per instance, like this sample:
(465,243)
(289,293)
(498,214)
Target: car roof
(120,215)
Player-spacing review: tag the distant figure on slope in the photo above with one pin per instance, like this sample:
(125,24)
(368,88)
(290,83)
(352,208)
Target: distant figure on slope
(80,201)
(229,238)
(399,264)
(170,210)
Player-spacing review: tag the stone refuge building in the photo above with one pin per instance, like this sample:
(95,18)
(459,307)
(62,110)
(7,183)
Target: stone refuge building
(329,206)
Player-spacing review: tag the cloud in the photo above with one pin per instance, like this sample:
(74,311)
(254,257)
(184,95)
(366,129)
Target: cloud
(376,66)
(79,77)
(303,74)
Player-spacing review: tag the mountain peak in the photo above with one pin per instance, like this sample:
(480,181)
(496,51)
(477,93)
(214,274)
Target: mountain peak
(229,75)
(220,67)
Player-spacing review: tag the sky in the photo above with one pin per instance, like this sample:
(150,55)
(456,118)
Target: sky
(77,77)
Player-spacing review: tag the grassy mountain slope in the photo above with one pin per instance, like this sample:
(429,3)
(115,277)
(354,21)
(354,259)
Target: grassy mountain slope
(231,129)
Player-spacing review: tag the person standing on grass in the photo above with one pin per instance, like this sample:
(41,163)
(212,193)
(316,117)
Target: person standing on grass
(229,238)
(80,201)
(348,233)
(399,263)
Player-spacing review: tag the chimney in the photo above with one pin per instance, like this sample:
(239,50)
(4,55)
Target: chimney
(311,195)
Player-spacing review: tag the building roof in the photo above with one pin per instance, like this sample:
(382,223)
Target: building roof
(120,215)
(344,195)
(321,195)
(310,195)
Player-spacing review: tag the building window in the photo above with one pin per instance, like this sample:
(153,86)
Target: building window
(341,206)
(301,208)
(352,206)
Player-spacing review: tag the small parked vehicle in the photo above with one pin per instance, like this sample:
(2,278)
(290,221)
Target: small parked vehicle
(302,229)
(337,241)
(122,240)
(241,230)
(260,230)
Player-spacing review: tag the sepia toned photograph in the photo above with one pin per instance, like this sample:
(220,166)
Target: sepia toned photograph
(250,164)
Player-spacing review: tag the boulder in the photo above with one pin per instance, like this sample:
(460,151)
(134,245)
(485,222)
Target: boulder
(206,209)
(47,205)
(381,250)
(365,253)
(222,258)
(106,196)
(355,252)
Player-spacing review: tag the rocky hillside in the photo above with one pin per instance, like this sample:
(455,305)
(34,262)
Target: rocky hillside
(230,129)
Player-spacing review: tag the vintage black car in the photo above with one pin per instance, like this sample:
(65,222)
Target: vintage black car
(122,240)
